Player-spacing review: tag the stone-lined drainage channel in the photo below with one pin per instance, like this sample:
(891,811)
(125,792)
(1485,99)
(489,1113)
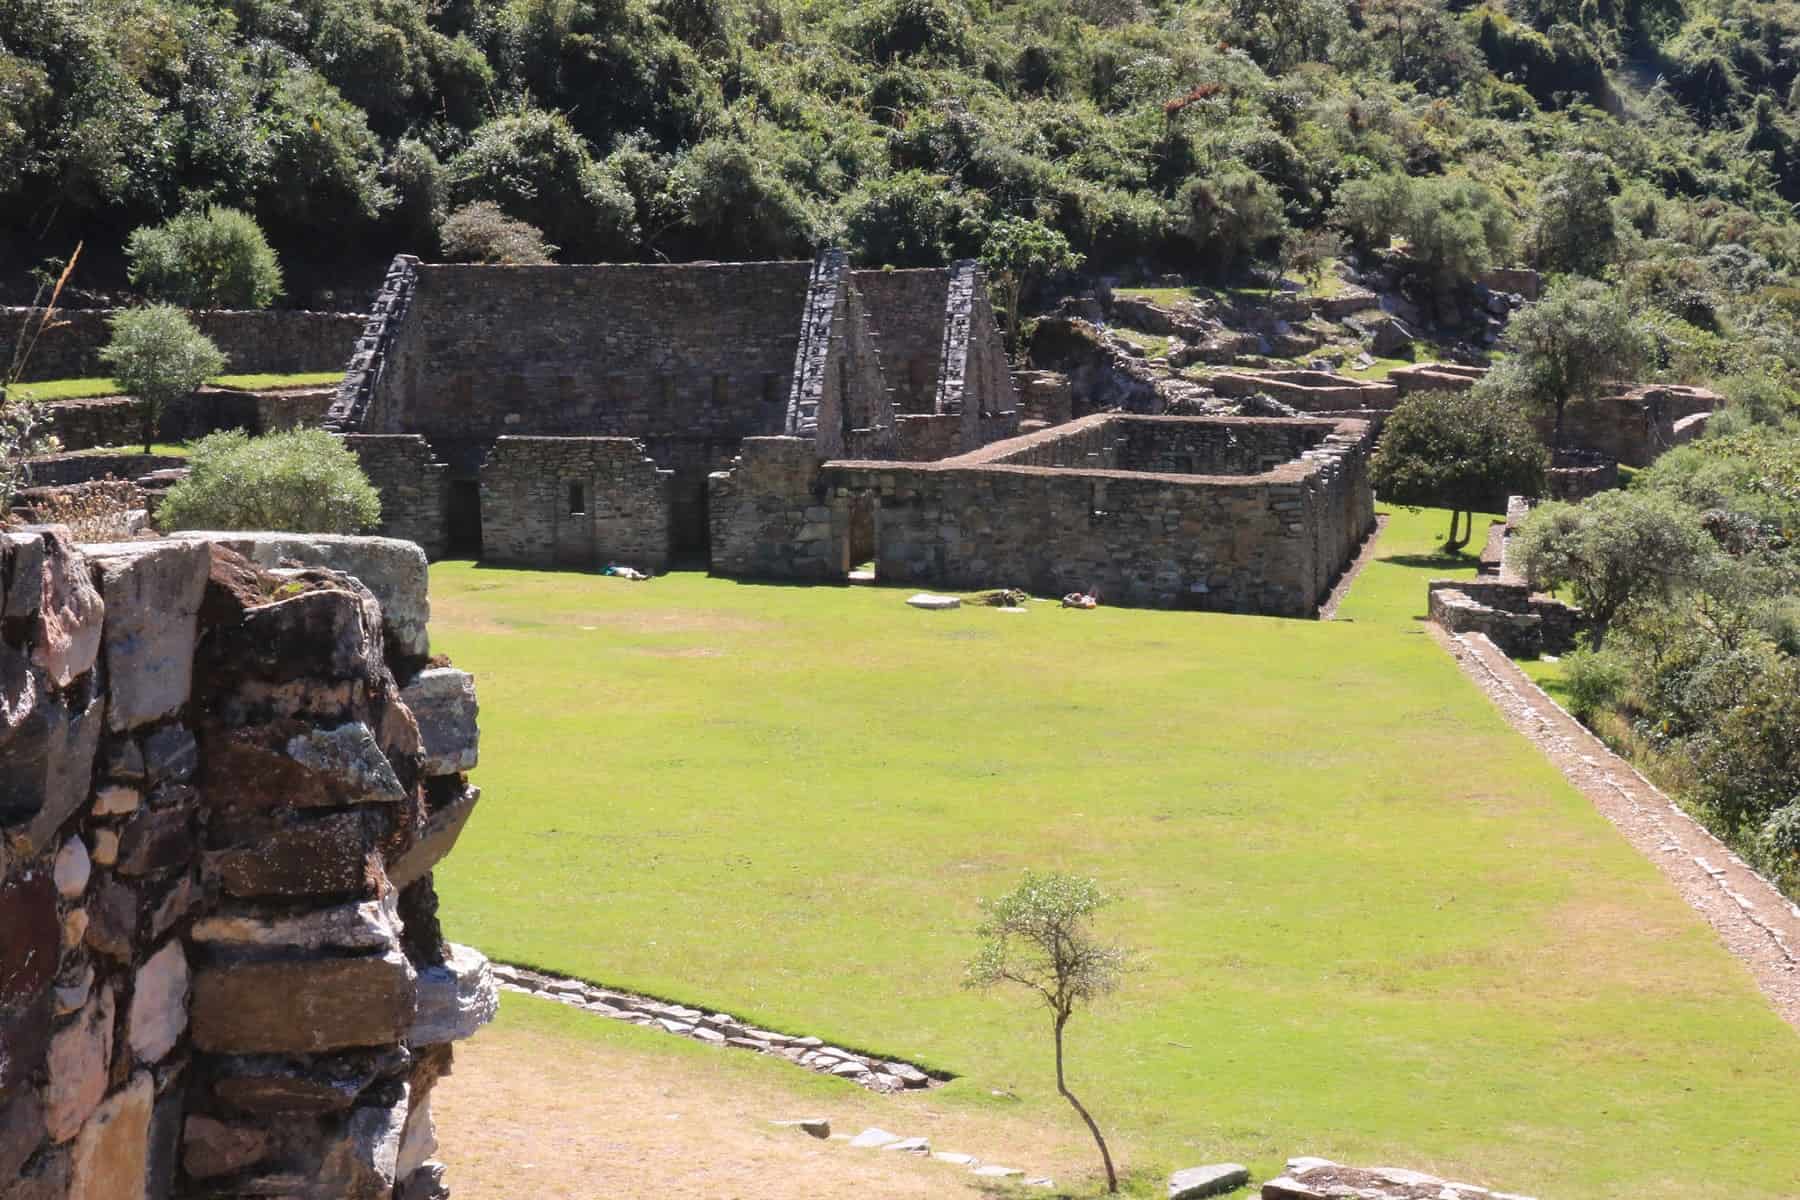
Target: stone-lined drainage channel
(720,1029)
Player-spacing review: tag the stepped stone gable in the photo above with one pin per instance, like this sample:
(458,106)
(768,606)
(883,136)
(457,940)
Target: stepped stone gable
(229,778)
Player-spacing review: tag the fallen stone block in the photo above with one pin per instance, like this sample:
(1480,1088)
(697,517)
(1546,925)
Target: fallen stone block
(873,1138)
(817,1127)
(1212,1180)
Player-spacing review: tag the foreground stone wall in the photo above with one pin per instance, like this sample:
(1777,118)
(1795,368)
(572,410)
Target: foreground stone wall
(226,786)
(273,342)
(575,502)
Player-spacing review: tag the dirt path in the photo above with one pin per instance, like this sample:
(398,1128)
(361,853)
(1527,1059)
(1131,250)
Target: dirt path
(527,1113)
(1754,920)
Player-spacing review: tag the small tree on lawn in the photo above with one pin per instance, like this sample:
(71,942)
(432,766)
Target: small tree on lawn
(1614,549)
(1016,254)
(298,481)
(1458,450)
(158,356)
(1570,345)
(205,259)
(1038,936)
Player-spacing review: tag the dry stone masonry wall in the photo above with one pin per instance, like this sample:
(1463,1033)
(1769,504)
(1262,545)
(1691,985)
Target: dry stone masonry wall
(273,342)
(229,775)
(575,502)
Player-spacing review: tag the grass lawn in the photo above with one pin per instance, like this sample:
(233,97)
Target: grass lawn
(1375,924)
(85,389)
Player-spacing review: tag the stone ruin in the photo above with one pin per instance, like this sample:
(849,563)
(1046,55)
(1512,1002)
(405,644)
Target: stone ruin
(791,420)
(231,767)
(1500,601)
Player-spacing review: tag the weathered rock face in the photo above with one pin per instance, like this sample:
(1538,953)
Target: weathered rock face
(220,968)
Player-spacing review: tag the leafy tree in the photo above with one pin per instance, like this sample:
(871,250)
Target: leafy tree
(211,258)
(481,233)
(418,182)
(1572,229)
(1231,216)
(1457,450)
(157,355)
(1039,936)
(1453,227)
(1570,345)
(299,481)
(1614,549)
(1017,253)
(736,205)
(324,166)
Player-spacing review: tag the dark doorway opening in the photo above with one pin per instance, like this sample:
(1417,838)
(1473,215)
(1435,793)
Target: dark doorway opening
(464,518)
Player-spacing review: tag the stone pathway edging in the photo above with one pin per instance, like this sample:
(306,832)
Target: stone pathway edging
(877,1138)
(718,1029)
(1759,925)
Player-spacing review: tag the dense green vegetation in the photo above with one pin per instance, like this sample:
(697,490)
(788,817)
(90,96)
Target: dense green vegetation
(300,480)
(1375,923)
(1696,571)
(1192,133)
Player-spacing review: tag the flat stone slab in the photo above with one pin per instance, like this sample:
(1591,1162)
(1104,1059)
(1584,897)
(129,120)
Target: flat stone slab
(1321,1179)
(1212,1180)
(874,1137)
(933,603)
(817,1127)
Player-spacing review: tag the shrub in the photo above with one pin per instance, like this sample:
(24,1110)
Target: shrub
(216,258)
(533,164)
(1612,550)
(911,219)
(481,233)
(1230,217)
(1572,229)
(157,355)
(1594,681)
(300,481)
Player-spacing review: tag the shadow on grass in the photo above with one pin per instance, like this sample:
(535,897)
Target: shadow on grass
(1439,561)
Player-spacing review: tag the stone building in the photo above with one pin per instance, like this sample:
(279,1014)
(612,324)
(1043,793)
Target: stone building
(571,415)
(792,420)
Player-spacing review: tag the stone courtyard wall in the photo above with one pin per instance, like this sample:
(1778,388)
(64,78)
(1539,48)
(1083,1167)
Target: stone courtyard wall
(575,502)
(255,343)
(1037,512)
(227,783)
(114,420)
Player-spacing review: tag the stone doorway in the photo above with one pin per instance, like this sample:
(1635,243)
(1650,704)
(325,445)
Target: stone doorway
(464,519)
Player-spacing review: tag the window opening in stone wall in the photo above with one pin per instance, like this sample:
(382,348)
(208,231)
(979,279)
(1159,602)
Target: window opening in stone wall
(577,500)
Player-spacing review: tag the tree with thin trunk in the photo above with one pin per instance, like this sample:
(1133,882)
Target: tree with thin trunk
(1575,343)
(1039,936)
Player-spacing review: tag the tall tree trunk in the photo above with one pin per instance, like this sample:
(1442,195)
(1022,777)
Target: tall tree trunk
(1112,1178)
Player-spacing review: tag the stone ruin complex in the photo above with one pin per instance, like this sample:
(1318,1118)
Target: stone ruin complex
(230,770)
(792,420)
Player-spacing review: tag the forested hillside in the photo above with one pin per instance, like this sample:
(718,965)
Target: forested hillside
(1188,135)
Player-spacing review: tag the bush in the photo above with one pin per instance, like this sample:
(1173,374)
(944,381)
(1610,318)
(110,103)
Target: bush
(157,355)
(481,233)
(911,219)
(1572,229)
(1594,681)
(1613,550)
(216,258)
(300,481)
(1230,217)
(1454,228)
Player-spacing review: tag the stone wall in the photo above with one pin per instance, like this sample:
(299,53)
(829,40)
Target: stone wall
(59,470)
(414,488)
(1044,396)
(226,787)
(255,343)
(976,377)
(114,420)
(906,309)
(770,518)
(575,502)
(838,396)
(1038,512)
(1523,624)
(632,351)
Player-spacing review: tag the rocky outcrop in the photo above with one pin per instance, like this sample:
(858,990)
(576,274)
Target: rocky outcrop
(222,974)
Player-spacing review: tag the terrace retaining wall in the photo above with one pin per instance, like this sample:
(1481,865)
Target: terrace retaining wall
(275,342)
